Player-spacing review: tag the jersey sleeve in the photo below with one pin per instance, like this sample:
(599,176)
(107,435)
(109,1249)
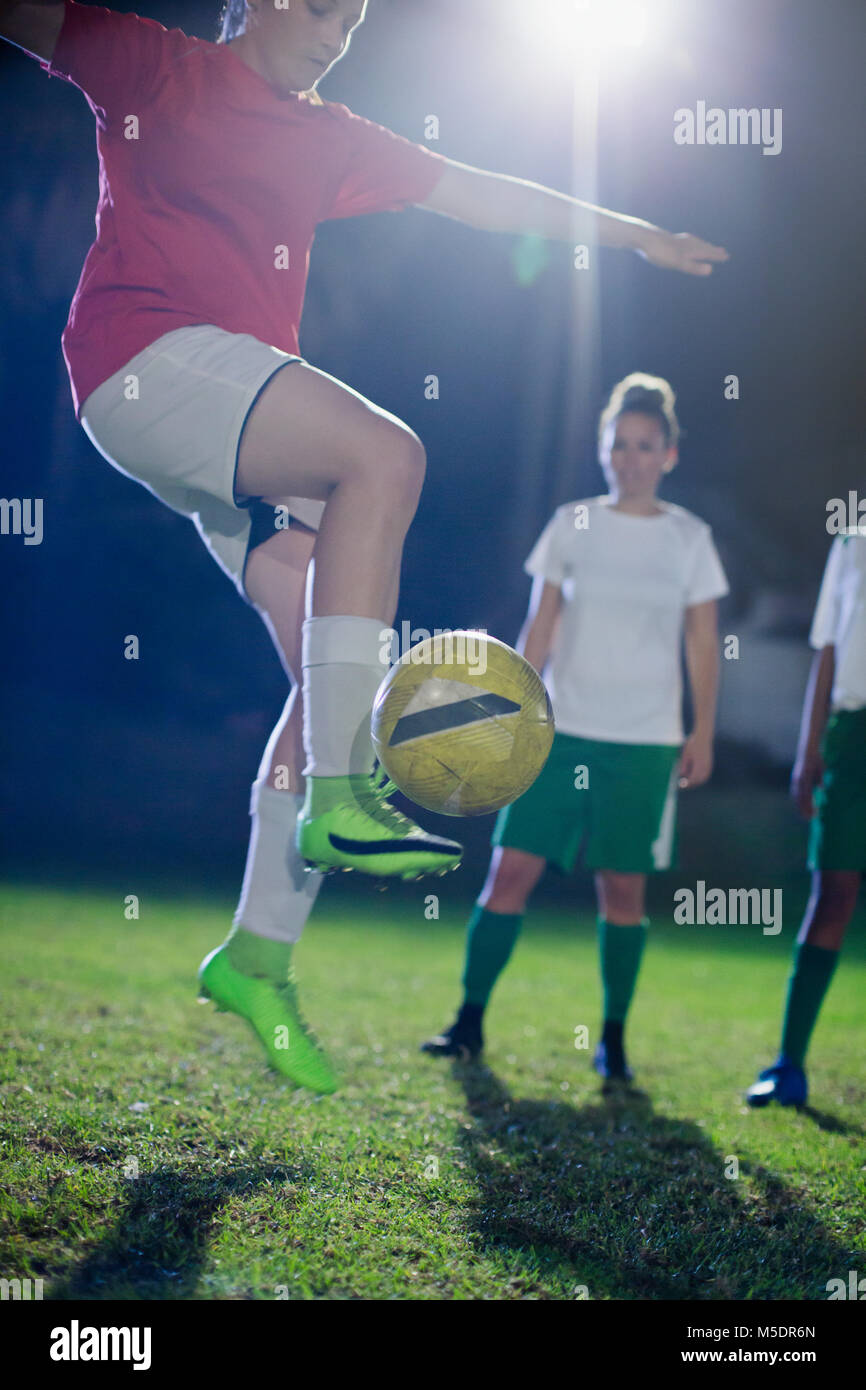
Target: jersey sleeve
(111,57)
(545,560)
(825,623)
(707,579)
(378,171)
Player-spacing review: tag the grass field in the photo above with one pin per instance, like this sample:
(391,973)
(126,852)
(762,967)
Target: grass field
(147,1153)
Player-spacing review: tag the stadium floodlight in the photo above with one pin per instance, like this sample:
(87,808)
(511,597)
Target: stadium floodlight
(611,23)
(591,27)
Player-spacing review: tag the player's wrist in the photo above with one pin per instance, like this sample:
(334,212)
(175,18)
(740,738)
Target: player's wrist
(633,234)
(701,736)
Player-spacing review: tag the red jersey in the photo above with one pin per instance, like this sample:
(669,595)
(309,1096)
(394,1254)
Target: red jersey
(210,189)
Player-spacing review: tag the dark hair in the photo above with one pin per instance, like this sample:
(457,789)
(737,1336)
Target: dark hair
(642,394)
(232,20)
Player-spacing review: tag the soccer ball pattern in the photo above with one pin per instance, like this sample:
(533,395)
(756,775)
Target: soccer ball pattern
(462,724)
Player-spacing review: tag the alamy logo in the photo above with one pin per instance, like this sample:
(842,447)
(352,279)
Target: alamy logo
(736,126)
(22,516)
(846,515)
(77,1343)
(21,1290)
(855,1288)
(448,647)
(714,907)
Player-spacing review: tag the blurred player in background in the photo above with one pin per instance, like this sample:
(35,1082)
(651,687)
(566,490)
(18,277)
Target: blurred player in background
(617,580)
(829,787)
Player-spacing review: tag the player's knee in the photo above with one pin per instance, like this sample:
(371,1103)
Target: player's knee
(623,897)
(829,936)
(837,894)
(510,886)
(405,463)
(394,464)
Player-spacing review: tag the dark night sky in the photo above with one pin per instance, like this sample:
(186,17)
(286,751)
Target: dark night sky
(393,298)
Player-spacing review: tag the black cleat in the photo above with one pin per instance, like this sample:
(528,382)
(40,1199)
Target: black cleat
(610,1066)
(783,1082)
(463,1039)
(609,1059)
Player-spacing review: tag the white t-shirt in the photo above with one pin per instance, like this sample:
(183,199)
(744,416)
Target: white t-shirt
(840,618)
(615,671)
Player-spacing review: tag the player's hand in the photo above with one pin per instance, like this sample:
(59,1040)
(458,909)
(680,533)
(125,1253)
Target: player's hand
(806,776)
(696,761)
(679,251)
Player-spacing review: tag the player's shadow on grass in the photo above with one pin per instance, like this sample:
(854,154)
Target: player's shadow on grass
(831,1123)
(160,1238)
(625,1203)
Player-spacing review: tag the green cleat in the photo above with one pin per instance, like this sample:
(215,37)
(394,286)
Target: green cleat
(365,832)
(272,1010)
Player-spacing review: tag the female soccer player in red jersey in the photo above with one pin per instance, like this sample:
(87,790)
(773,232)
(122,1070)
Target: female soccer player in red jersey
(217,161)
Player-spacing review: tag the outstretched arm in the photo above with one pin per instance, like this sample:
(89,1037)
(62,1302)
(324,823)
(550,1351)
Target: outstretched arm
(33,25)
(499,203)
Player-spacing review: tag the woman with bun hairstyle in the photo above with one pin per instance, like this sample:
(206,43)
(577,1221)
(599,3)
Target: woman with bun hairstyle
(617,581)
(217,162)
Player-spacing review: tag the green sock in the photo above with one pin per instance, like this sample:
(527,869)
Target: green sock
(323,793)
(808,983)
(620,950)
(490,940)
(258,955)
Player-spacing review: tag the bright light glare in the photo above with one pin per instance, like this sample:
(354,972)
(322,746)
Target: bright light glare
(593,25)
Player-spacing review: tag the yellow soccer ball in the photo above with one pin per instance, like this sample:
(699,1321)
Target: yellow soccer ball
(462,724)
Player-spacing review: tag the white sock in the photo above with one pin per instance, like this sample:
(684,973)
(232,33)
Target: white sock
(277,895)
(342,671)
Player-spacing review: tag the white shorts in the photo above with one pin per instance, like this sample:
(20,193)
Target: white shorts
(172,419)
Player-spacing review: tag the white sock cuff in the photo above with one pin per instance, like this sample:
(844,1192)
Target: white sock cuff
(277,893)
(266,801)
(347,640)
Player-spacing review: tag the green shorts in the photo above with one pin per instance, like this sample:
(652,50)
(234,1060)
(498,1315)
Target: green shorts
(616,800)
(838,835)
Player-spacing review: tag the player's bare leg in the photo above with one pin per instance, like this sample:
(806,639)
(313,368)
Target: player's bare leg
(309,435)
(511,878)
(830,908)
(277,581)
(493,929)
(621,897)
(251,973)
